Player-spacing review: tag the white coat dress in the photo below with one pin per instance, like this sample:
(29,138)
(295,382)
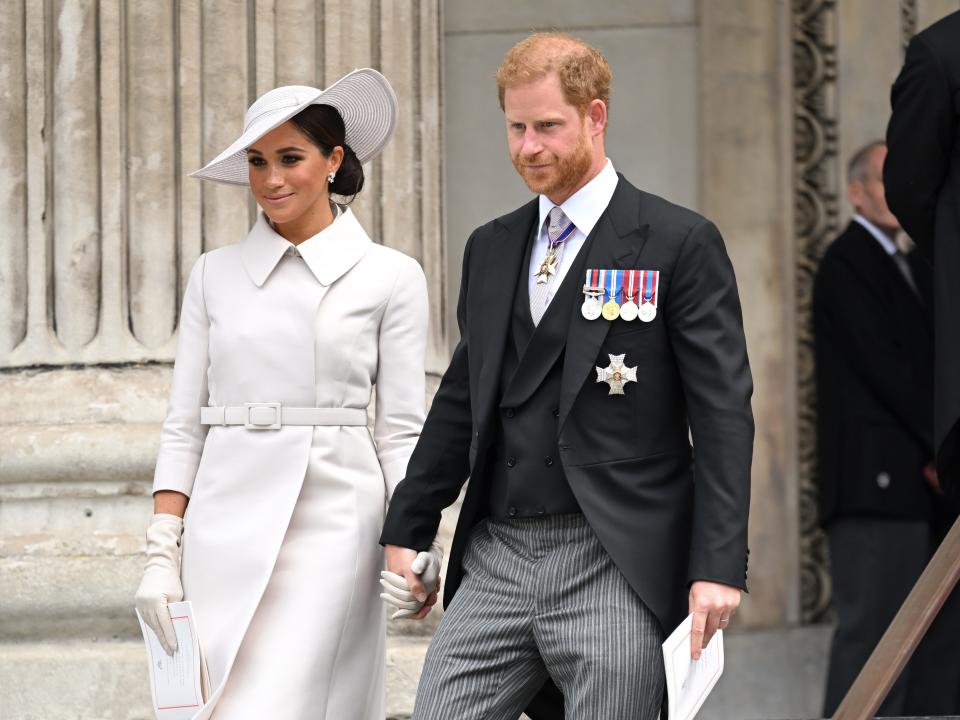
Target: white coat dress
(280,546)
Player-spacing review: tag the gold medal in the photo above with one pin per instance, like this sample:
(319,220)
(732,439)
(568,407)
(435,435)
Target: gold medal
(611,310)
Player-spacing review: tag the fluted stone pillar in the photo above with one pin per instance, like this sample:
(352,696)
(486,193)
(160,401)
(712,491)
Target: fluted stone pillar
(105,105)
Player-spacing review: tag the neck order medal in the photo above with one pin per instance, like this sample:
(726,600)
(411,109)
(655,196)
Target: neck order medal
(548,267)
(555,242)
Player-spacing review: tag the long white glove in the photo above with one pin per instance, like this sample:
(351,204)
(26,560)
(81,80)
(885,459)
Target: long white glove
(161,578)
(396,591)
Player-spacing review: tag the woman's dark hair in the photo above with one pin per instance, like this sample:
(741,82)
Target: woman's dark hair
(323,126)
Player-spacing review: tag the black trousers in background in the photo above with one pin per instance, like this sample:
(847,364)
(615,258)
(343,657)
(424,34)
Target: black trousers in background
(934,687)
(874,565)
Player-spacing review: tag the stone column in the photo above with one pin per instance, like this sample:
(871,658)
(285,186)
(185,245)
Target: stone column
(745,151)
(106,106)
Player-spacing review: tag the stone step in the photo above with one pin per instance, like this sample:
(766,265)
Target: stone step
(108,680)
(775,673)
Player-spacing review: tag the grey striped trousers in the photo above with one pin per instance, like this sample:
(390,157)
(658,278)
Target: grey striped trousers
(541,597)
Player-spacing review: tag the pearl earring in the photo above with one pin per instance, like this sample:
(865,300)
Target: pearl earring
(331,177)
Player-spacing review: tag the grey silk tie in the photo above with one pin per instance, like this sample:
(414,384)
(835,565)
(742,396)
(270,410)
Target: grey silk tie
(559,229)
(901,261)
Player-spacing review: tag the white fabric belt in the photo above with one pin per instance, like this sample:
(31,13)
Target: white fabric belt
(272,416)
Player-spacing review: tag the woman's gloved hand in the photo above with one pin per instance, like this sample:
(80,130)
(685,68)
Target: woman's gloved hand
(161,578)
(396,591)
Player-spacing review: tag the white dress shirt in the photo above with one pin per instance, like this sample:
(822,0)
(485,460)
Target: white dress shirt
(885,241)
(583,209)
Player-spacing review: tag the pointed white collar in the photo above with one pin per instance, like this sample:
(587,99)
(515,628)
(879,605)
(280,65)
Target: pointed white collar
(328,254)
(886,242)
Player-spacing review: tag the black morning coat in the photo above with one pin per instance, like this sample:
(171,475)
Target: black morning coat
(874,354)
(664,518)
(922,180)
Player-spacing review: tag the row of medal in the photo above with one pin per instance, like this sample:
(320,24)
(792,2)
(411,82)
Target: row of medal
(632,294)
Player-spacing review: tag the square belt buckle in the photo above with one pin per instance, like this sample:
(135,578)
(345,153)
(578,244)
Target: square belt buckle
(251,424)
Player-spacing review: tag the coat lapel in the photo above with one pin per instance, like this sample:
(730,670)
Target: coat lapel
(619,240)
(887,265)
(261,250)
(502,262)
(549,337)
(335,250)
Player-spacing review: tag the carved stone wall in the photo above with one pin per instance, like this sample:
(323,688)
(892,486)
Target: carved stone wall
(816,218)
(105,105)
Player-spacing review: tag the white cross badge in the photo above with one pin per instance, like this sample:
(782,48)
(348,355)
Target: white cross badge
(547,268)
(616,375)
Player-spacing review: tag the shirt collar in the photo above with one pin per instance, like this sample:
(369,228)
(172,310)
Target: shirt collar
(885,241)
(328,254)
(587,204)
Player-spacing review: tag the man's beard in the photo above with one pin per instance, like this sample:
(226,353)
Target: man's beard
(565,173)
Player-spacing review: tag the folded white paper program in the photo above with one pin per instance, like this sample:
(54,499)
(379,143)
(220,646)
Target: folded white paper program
(175,681)
(690,681)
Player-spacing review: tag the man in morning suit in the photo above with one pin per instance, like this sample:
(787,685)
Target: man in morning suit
(922,178)
(587,531)
(874,361)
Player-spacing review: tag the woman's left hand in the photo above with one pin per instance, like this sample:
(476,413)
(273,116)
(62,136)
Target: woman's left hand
(397,592)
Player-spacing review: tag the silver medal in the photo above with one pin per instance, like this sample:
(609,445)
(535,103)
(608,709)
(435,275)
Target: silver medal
(629,311)
(647,312)
(591,308)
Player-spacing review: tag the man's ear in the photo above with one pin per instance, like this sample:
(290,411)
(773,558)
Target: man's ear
(596,115)
(855,193)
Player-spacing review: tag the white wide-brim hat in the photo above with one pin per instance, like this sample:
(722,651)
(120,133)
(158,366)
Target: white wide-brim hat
(364,99)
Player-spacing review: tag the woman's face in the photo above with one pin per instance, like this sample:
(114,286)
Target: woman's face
(288,176)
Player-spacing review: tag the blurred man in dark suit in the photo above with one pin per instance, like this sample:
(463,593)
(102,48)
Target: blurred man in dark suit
(874,353)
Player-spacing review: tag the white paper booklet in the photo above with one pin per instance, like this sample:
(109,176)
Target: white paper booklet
(690,681)
(176,681)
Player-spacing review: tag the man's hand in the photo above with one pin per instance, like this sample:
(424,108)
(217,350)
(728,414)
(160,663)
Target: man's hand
(712,605)
(406,585)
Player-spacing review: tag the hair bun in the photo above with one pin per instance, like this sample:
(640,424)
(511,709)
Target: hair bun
(349,179)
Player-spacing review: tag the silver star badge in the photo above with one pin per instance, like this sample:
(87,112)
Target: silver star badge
(616,375)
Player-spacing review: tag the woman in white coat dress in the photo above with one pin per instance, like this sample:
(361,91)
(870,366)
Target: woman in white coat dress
(265,452)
